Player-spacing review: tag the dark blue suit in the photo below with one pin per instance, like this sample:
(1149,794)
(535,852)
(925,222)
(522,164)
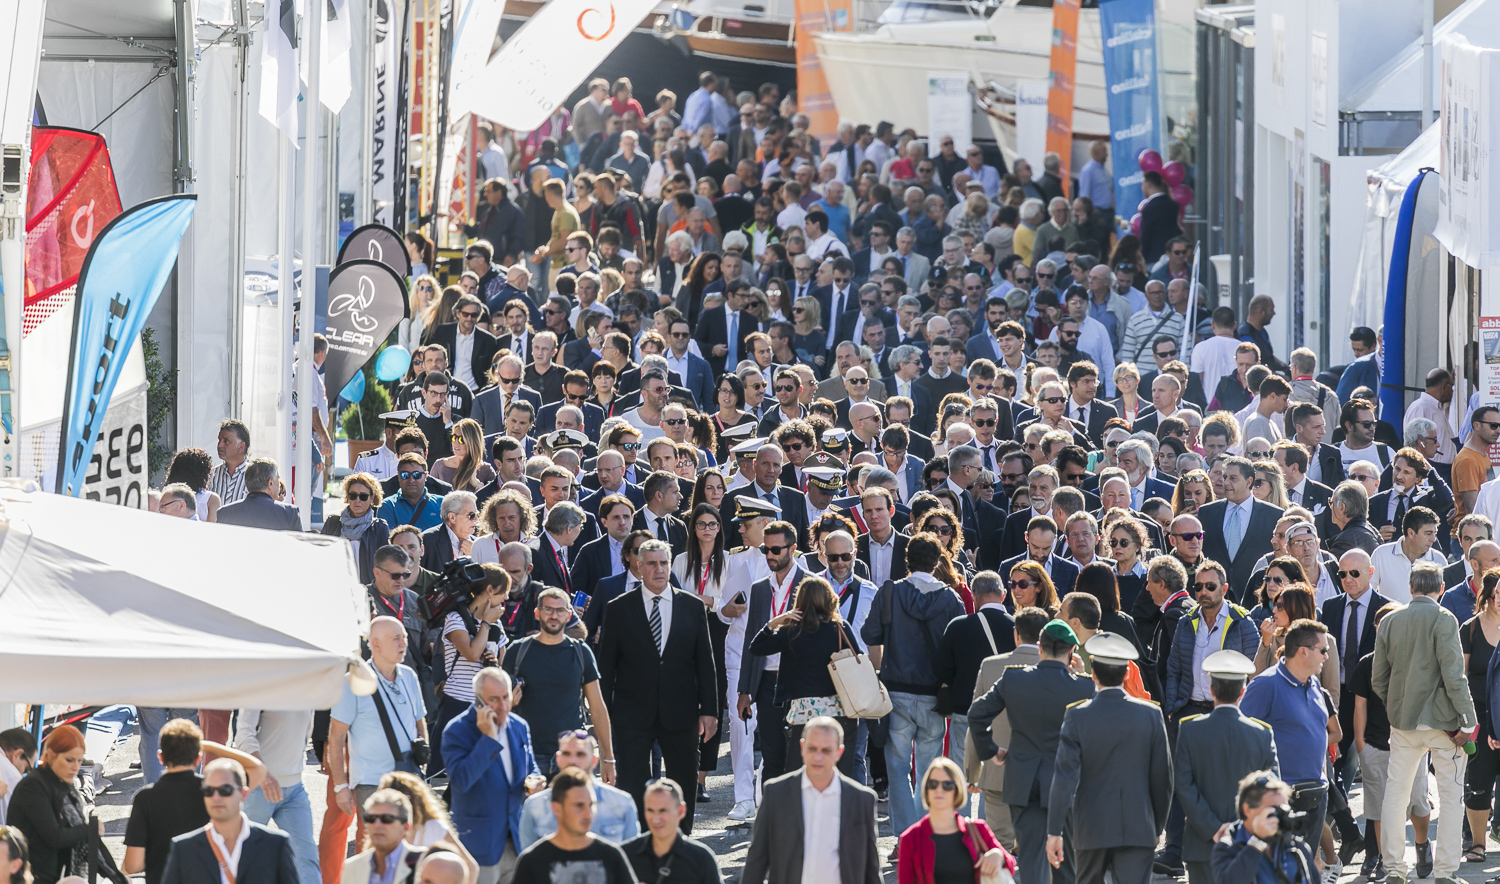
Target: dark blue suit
(591,501)
(699,380)
(259,510)
(266,858)
(981,347)
(486,803)
(546,419)
(1362,372)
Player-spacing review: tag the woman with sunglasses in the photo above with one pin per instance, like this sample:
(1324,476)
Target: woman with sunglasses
(757,306)
(1283,571)
(1194,491)
(410,331)
(942,524)
(1293,604)
(701,570)
(51,813)
(807,636)
(1128,384)
(1268,484)
(809,338)
(1128,546)
(946,847)
(1031,587)
(777,308)
(358,523)
(466,469)
(730,396)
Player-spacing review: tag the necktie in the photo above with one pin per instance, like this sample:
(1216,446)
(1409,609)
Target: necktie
(656,622)
(989,457)
(1351,637)
(733,358)
(1135,499)
(1294,496)
(661,528)
(1400,513)
(1232,532)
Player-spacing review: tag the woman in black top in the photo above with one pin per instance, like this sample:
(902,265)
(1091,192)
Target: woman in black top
(49,810)
(1098,580)
(806,637)
(1479,636)
(358,523)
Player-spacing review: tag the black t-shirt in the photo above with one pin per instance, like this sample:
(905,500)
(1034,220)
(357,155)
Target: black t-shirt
(1377,726)
(599,863)
(550,702)
(688,862)
(1479,649)
(952,863)
(161,812)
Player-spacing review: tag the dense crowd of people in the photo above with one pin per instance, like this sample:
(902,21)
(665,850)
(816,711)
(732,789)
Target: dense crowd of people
(710,408)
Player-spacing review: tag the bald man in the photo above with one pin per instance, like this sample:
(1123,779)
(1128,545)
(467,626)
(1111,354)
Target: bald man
(1483,555)
(865,421)
(1350,618)
(440,868)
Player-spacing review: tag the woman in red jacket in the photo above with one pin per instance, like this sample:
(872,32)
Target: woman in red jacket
(944,847)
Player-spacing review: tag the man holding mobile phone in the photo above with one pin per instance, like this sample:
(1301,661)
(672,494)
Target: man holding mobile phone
(744,566)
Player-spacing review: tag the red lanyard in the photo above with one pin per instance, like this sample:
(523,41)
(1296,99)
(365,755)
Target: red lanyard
(785,602)
(399,612)
(703,581)
(562,569)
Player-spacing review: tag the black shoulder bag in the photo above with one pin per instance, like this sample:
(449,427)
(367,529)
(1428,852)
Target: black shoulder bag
(405,761)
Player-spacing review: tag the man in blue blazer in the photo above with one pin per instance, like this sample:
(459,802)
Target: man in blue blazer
(1364,371)
(1256,519)
(260,509)
(575,392)
(491,770)
(265,857)
(697,376)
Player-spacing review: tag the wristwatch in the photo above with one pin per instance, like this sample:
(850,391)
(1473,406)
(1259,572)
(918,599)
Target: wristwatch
(340,787)
(1258,844)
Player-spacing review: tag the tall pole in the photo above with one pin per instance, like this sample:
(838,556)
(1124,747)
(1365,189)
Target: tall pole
(302,474)
(286,293)
(1427,13)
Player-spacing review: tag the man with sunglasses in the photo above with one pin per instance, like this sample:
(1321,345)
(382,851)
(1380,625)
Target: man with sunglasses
(389,858)
(1214,623)
(787,388)
(470,349)
(230,842)
(389,597)
(1357,418)
(1350,618)
(1471,466)
(414,505)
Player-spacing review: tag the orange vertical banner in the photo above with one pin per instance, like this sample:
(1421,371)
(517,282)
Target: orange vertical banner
(1061,82)
(813,97)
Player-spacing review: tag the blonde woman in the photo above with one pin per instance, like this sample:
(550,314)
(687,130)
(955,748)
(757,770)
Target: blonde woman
(975,218)
(440,310)
(1128,384)
(809,338)
(1269,485)
(1194,491)
(466,469)
(610,281)
(424,291)
(430,825)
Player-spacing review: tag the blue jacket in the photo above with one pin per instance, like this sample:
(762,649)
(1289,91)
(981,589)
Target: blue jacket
(1362,372)
(487,807)
(1240,634)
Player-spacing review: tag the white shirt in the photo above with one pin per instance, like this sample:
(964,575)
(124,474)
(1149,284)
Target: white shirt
(839,301)
(232,857)
(1393,570)
(463,357)
(1079,411)
(666,612)
(1294,493)
(1213,359)
(499,737)
(903,487)
(880,558)
(648,432)
(1203,645)
(792,216)
(860,602)
(1427,406)
(820,830)
(781,602)
(824,245)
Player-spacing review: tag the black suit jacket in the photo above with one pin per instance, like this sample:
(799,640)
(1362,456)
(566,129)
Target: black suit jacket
(676,530)
(579,355)
(713,330)
(591,566)
(965,646)
(1158,224)
(845,329)
(1436,497)
(1099,413)
(645,688)
(793,509)
(1314,495)
(898,554)
(1332,616)
(485,347)
(266,858)
(591,501)
(259,510)
(824,294)
(924,410)
(544,567)
(1193,396)
(437,549)
(1256,542)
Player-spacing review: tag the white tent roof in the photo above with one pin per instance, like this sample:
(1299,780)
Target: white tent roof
(106,604)
(1388,182)
(1397,84)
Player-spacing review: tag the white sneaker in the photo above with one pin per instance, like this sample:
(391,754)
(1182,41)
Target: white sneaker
(1331,873)
(742,811)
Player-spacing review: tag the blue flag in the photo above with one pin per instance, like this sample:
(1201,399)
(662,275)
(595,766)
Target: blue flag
(1127,29)
(121,279)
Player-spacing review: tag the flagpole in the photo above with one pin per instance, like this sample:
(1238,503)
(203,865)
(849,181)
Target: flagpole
(1190,321)
(286,289)
(302,474)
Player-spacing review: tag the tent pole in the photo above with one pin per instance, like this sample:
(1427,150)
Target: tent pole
(286,295)
(237,237)
(302,471)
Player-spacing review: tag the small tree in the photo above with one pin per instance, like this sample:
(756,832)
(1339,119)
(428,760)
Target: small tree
(362,420)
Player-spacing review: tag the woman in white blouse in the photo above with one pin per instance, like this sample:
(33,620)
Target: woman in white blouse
(701,571)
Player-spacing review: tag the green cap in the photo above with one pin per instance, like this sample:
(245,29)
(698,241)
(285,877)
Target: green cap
(1058,630)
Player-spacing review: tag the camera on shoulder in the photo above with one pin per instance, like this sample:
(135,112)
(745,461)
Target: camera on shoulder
(460,582)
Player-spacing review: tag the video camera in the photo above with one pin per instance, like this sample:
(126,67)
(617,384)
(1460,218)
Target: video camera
(462,579)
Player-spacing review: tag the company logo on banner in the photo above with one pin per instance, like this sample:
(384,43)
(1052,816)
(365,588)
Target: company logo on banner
(365,301)
(950,108)
(72,196)
(813,97)
(383,136)
(1466,153)
(1063,68)
(1128,31)
(121,279)
(555,51)
(376,242)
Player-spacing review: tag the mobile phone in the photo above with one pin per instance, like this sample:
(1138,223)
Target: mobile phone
(739,598)
(580,599)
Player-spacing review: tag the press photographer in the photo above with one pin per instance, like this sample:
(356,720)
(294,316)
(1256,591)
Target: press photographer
(1263,845)
(472,607)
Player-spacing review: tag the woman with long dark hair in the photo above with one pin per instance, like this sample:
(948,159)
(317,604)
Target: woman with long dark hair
(702,273)
(730,396)
(709,488)
(700,570)
(806,637)
(1031,587)
(1097,578)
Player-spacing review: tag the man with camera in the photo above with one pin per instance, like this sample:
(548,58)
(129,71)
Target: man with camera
(1264,841)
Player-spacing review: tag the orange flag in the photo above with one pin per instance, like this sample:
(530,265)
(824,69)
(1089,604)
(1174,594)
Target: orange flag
(1060,90)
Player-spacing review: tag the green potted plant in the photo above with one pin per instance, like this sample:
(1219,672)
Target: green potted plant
(361,424)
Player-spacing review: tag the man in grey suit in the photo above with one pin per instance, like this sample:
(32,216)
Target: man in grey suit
(1113,746)
(990,778)
(1214,752)
(1040,695)
(841,833)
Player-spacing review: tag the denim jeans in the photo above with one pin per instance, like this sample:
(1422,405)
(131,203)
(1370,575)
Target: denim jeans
(292,815)
(916,730)
(152,719)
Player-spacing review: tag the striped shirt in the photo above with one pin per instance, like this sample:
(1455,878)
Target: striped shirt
(228,484)
(460,671)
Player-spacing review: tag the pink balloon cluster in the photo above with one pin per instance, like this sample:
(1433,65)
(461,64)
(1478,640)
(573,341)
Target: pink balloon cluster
(1173,173)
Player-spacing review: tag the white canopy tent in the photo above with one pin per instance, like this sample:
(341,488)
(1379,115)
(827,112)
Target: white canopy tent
(106,604)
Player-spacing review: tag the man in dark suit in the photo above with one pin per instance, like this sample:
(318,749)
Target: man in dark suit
(715,328)
(838,298)
(781,829)
(1237,529)
(1350,618)
(260,509)
(553,548)
(460,515)
(1158,217)
(492,403)
(1040,486)
(878,508)
(614,470)
(663,499)
(1300,490)
(791,503)
(1083,407)
(575,393)
(1214,752)
(867,259)
(1413,483)
(581,354)
(1112,746)
(695,372)
(265,856)
(463,335)
(907,368)
(968,641)
(850,328)
(656,672)
(1037,697)
(599,558)
(768,597)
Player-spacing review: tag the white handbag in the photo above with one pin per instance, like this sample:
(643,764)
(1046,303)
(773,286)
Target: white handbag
(860,692)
